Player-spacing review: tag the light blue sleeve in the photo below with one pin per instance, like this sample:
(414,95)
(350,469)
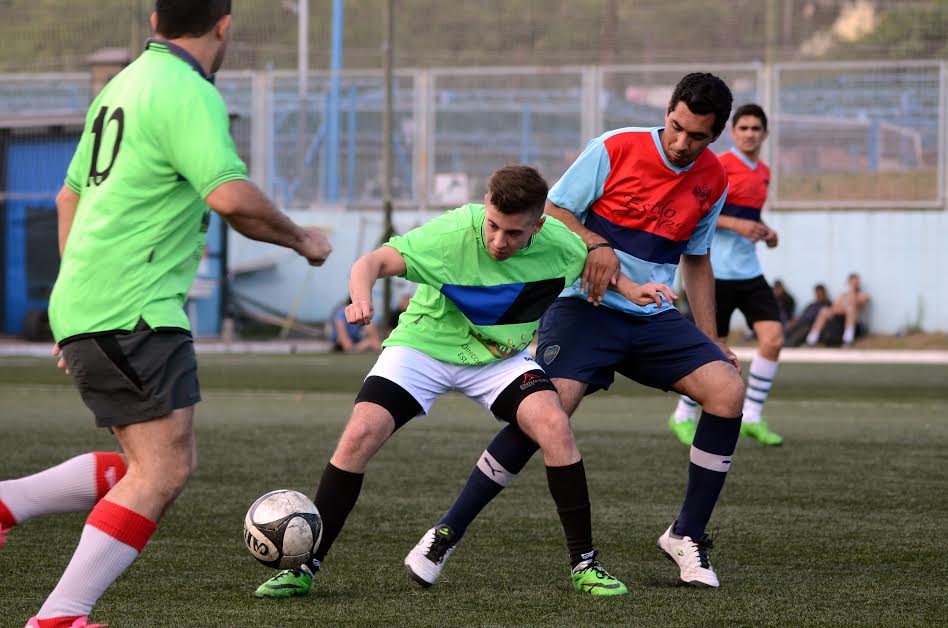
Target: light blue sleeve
(700,240)
(583,182)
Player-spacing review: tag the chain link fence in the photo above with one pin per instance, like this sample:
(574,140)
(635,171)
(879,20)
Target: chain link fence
(855,92)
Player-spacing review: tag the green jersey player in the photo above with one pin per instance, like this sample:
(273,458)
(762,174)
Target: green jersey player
(486,273)
(155,157)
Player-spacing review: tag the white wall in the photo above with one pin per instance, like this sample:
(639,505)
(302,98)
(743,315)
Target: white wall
(901,255)
(285,282)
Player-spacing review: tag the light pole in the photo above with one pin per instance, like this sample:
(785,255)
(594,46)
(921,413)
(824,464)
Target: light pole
(301,9)
(387,128)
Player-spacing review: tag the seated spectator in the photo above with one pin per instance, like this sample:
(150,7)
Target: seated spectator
(393,318)
(785,301)
(796,330)
(350,338)
(840,323)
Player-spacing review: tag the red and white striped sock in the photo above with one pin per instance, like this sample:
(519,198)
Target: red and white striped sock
(73,486)
(111,539)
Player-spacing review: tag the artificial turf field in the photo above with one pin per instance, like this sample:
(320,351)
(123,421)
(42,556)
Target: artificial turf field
(844,525)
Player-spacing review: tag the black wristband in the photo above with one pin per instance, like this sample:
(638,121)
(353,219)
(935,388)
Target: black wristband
(597,246)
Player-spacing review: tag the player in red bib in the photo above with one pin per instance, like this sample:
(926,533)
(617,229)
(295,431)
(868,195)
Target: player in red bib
(641,199)
(739,279)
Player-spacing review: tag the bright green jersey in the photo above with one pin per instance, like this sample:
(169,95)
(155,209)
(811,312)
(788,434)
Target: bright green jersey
(156,143)
(470,308)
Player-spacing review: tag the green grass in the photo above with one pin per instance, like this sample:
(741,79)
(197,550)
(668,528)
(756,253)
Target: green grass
(844,525)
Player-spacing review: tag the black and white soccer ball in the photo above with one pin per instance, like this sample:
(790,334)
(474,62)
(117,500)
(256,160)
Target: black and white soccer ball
(282,529)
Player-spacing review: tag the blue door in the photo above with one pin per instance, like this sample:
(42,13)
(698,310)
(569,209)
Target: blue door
(36,168)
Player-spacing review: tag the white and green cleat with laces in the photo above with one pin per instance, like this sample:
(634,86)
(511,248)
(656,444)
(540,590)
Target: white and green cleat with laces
(426,560)
(288,583)
(591,577)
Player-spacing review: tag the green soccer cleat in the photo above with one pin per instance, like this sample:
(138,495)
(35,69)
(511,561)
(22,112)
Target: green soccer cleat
(287,583)
(762,433)
(592,578)
(684,431)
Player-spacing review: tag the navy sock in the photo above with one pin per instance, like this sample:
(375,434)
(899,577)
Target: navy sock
(500,463)
(711,451)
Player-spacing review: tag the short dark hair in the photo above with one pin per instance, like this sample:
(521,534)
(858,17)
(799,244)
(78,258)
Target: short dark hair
(750,109)
(704,93)
(189,18)
(518,189)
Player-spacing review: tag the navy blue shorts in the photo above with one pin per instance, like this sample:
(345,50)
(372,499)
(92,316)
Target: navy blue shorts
(591,344)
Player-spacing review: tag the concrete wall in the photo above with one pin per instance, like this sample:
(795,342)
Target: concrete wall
(901,256)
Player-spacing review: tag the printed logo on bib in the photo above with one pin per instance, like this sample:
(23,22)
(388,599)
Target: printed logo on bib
(532,379)
(550,353)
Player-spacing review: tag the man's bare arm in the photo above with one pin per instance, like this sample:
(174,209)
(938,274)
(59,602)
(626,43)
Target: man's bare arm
(382,262)
(249,211)
(602,265)
(699,285)
(66,203)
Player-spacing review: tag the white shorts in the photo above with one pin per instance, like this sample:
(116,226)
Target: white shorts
(426,379)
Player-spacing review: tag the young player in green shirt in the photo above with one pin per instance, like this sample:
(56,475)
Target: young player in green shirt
(155,157)
(486,274)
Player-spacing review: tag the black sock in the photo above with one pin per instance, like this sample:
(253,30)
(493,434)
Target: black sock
(569,491)
(336,495)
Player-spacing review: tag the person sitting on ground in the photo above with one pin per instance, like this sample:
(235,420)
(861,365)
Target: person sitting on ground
(353,338)
(393,317)
(840,323)
(785,301)
(796,330)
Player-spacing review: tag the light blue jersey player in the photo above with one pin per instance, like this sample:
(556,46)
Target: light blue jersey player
(643,201)
(739,279)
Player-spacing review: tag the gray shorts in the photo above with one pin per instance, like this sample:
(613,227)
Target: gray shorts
(127,378)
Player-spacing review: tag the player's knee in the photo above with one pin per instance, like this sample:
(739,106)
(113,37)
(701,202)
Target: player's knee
(733,394)
(549,429)
(771,344)
(164,476)
(727,396)
(363,436)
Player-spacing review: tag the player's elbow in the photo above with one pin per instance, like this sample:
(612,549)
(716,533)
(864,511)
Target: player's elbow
(386,262)
(233,198)
(66,199)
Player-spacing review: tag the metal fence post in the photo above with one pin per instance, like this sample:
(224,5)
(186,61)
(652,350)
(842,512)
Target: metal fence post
(591,107)
(261,137)
(423,135)
(942,141)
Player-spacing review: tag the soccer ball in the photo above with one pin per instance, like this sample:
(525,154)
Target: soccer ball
(282,529)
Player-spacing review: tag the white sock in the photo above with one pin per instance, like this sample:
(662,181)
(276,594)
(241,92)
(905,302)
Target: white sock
(686,409)
(759,381)
(849,334)
(73,486)
(812,338)
(111,539)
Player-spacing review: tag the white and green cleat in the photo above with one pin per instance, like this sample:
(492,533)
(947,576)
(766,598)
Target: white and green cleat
(426,560)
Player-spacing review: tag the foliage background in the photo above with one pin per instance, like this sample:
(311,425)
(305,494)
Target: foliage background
(56,35)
